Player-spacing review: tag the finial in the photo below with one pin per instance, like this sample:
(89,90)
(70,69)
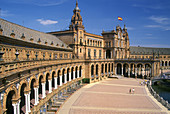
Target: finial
(76,3)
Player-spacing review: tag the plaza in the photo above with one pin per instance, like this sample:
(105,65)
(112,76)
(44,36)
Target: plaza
(111,96)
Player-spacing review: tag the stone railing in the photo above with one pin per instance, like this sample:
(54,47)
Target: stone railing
(37,108)
(158,98)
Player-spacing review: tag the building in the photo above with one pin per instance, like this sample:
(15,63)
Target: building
(37,66)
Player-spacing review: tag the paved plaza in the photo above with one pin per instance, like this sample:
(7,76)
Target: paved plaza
(111,96)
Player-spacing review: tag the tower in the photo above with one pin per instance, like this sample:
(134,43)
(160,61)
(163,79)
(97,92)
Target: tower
(78,28)
(76,20)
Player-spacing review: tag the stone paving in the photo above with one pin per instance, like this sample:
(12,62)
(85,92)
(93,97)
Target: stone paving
(112,96)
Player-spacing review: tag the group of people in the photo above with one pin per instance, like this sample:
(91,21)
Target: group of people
(131,90)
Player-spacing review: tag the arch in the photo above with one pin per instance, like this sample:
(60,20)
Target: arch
(22,97)
(63,77)
(58,77)
(102,68)
(119,68)
(97,66)
(80,68)
(109,68)
(162,63)
(53,75)
(112,68)
(7,91)
(32,78)
(106,68)
(42,76)
(125,69)
(40,80)
(21,83)
(166,63)
(76,70)
(9,107)
(32,95)
(46,82)
(68,71)
(72,70)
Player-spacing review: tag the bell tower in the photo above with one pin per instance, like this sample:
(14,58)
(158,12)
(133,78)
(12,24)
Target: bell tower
(76,20)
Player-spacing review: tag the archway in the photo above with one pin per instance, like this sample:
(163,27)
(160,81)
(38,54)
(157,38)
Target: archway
(40,86)
(97,70)
(9,107)
(58,77)
(108,54)
(109,68)
(22,98)
(125,69)
(68,70)
(102,69)
(63,77)
(139,70)
(53,82)
(47,83)
(32,95)
(80,71)
(76,71)
(105,68)
(119,69)
(72,70)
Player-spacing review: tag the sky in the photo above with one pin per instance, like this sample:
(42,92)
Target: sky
(147,21)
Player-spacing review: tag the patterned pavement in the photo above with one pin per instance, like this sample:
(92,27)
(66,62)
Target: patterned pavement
(112,96)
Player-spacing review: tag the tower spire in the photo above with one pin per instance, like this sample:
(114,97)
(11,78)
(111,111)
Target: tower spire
(76,3)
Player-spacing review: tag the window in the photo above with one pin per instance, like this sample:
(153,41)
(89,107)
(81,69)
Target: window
(80,50)
(100,53)
(89,51)
(121,43)
(109,44)
(94,52)
(88,42)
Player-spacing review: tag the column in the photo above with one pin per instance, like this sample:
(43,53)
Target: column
(35,92)
(143,73)
(15,108)
(115,70)
(55,82)
(61,81)
(43,90)
(135,72)
(29,102)
(65,78)
(18,107)
(36,96)
(77,73)
(81,72)
(69,76)
(129,72)
(50,85)
(73,75)
(26,103)
(122,70)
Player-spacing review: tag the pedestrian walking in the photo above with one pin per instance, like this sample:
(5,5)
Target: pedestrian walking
(133,90)
(130,90)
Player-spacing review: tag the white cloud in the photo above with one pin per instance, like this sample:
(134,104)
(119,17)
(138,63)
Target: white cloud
(160,20)
(153,26)
(38,2)
(47,22)
(5,13)
(130,28)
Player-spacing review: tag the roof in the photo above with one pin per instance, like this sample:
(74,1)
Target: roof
(19,30)
(149,50)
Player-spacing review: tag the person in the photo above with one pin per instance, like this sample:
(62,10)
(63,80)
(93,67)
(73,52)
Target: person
(133,90)
(130,90)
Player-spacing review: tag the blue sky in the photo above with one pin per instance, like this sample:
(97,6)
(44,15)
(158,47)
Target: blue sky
(148,21)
